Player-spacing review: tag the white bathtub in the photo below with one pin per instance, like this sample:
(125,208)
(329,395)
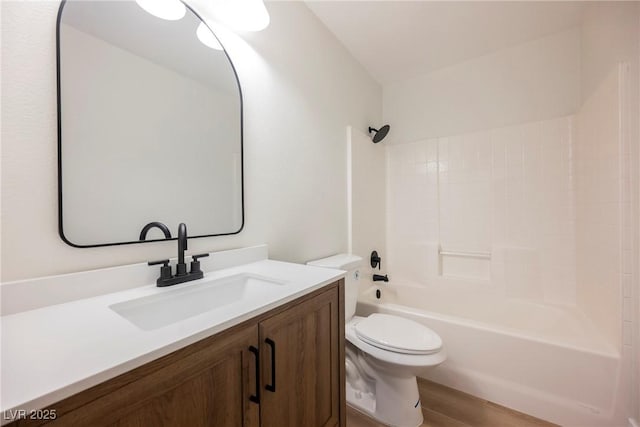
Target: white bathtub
(543,360)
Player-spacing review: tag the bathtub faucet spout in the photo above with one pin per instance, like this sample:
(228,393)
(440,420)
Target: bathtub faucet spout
(380,278)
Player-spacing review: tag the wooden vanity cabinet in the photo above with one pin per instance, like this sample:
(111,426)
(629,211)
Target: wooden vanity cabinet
(300,351)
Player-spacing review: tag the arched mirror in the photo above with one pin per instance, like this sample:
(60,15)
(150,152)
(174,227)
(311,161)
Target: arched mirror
(149,125)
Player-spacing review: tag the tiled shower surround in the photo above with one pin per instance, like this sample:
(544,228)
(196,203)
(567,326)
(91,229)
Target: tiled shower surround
(530,211)
(506,192)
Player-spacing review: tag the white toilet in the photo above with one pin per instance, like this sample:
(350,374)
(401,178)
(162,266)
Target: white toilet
(384,353)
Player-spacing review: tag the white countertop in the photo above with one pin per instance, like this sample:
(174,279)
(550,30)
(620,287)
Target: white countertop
(53,352)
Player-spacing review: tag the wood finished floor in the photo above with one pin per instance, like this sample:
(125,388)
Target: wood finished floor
(445,407)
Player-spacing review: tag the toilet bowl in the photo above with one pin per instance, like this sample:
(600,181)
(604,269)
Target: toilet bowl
(384,354)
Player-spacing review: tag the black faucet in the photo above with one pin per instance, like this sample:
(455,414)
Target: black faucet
(181,267)
(161,226)
(166,278)
(380,278)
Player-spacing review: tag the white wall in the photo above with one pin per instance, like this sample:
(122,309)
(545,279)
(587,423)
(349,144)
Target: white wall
(367,194)
(609,34)
(635,156)
(301,89)
(529,82)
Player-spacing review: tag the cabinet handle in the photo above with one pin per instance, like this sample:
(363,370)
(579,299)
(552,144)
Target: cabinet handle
(272,387)
(256,398)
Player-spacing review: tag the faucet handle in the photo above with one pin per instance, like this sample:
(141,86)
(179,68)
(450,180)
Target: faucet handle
(165,270)
(195,264)
(375,260)
(196,257)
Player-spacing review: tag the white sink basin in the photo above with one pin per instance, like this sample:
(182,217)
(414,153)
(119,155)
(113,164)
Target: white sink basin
(156,311)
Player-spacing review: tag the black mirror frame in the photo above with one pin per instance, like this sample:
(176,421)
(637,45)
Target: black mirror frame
(59,124)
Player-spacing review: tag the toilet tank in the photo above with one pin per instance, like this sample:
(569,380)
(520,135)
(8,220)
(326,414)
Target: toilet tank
(350,263)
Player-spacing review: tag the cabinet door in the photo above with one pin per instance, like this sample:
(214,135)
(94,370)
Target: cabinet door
(301,385)
(209,383)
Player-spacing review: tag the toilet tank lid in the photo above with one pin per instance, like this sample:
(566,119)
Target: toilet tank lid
(339,261)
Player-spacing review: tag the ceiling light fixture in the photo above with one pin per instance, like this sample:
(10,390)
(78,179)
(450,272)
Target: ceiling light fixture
(241,15)
(171,10)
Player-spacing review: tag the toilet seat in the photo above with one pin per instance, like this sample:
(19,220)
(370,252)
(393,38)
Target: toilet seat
(397,334)
(388,356)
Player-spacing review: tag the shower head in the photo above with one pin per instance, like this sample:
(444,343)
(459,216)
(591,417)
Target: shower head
(379,133)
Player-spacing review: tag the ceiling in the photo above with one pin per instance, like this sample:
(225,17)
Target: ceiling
(395,40)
